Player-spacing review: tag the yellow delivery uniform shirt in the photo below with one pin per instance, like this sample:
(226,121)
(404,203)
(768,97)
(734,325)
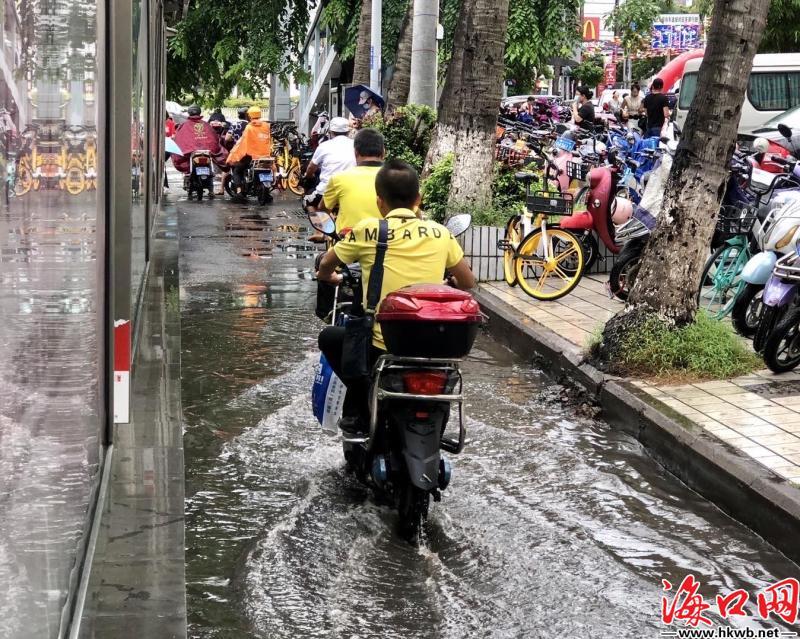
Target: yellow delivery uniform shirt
(419,252)
(353,191)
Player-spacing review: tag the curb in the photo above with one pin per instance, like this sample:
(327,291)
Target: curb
(750,493)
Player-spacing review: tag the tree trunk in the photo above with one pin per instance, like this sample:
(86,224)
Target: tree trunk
(361,66)
(397,93)
(482,74)
(675,256)
(443,140)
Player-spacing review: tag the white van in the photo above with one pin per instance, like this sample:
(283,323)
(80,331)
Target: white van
(774,86)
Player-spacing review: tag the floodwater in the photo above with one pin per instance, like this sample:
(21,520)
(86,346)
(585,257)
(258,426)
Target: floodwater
(555,524)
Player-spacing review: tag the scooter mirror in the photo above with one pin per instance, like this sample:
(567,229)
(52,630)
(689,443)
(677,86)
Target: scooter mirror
(760,145)
(458,224)
(785,131)
(322,222)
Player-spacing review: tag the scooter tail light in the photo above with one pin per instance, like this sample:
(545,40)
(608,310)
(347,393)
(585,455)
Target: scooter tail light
(425,382)
(201,161)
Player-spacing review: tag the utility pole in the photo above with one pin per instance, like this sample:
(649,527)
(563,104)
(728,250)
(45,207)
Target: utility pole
(423,53)
(375,54)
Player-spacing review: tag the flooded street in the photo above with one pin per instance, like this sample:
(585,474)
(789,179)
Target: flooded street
(554,524)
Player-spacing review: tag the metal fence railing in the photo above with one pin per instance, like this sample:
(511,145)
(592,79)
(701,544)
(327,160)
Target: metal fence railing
(480,250)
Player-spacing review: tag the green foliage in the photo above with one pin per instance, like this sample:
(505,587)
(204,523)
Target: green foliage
(222,44)
(643,68)
(782,34)
(436,188)
(537,31)
(235,103)
(590,71)
(448,18)
(508,194)
(633,21)
(407,132)
(704,349)
(340,18)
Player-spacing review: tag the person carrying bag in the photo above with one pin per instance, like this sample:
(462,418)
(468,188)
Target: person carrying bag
(358,328)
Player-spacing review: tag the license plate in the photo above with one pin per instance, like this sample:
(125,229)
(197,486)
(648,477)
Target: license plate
(265,177)
(202,170)
(565,144)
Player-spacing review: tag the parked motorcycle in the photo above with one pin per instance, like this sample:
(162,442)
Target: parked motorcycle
(259,180)
(428,330)
(200,176)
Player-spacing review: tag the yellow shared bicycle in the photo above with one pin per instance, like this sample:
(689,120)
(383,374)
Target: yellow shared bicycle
(545,260)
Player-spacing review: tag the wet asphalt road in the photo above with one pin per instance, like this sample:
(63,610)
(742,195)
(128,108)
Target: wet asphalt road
(554,525)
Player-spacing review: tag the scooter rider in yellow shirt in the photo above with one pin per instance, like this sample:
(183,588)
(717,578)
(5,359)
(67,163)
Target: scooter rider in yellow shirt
(353,191)
(419,252)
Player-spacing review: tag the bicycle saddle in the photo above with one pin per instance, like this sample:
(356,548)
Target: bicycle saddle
(525,176)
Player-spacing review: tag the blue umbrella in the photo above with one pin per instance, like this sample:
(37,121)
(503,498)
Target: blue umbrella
(171,147)
(361,100)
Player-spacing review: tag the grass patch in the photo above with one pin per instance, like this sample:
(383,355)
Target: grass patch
(704,349)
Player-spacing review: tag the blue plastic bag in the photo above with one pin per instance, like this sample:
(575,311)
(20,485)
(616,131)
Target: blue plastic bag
(327,396)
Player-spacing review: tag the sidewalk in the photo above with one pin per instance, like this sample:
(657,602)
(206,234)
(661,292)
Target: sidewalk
(758,414)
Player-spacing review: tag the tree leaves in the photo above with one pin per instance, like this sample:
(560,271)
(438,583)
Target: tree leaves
(633,21)
(221,44)
(537,31)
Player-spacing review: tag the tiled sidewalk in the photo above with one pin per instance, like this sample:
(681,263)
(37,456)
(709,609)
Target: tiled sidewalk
(759,413)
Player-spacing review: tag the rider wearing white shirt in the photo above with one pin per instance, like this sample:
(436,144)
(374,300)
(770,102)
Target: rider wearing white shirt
(331,157)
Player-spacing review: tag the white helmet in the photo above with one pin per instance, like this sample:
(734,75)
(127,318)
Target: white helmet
(339,125)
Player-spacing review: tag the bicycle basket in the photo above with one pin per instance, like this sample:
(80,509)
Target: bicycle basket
(577,171)
(549,203)
(734,220)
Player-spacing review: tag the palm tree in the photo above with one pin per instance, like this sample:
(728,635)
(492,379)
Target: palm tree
(361,66)
(397,92)
(672,263)
(479,89)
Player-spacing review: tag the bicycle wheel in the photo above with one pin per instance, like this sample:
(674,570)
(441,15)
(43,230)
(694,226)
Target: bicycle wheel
(293,181)
(513,238)
(548,278)
(720,283)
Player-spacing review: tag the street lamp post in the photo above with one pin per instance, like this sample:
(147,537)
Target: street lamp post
(422,88)
(375,54)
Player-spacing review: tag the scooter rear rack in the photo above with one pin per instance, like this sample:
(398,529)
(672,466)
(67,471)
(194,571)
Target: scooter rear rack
(788,267)
(396,362)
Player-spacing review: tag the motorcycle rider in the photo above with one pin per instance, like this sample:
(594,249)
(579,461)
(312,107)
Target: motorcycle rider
(195,134)
(353,190)
(331,157)
(237,128)
(419,252)
(256,142)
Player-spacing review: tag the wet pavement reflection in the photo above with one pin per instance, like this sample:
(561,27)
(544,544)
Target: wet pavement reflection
(554,524)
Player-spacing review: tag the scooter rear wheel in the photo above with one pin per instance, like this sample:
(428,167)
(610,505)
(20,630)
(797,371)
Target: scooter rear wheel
(770,317)
(782,349)
(412,509)
(746,310)
(625,269)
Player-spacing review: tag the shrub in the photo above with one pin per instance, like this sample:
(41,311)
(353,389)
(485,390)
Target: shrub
(508,194)
(436,188)
(407,132)
(235,103)
(704,349)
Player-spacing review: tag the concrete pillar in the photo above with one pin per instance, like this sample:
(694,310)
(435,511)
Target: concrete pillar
(279,103)
(424,64)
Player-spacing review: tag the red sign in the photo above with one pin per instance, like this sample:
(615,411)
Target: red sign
(610,73)
(590,29)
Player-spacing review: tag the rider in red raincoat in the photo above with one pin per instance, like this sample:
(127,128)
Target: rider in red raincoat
(197,135)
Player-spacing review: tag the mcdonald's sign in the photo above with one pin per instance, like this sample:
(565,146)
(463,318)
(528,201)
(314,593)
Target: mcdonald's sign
(591,28)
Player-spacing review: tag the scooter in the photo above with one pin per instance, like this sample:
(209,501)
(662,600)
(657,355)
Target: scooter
(200,176)
(259,180)
(428,330)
